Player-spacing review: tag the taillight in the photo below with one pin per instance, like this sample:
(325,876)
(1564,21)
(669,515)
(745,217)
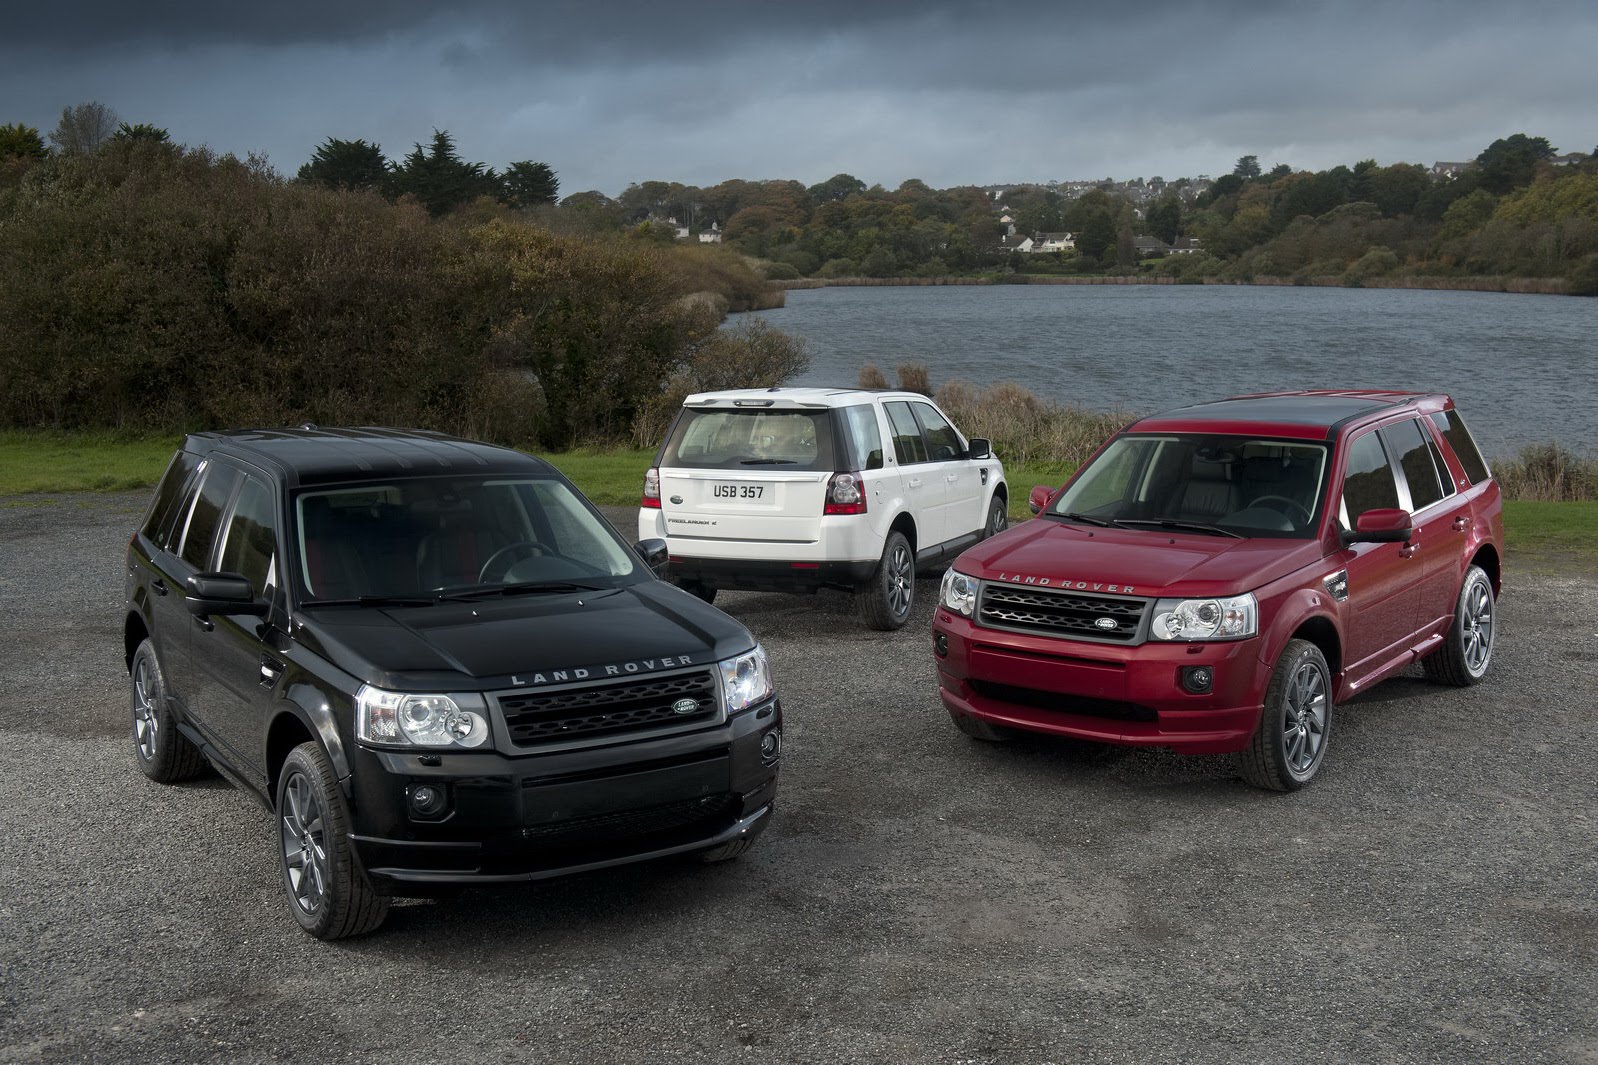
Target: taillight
(846,494)
(651,489)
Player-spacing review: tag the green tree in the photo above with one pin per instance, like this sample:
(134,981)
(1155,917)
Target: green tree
(342,164)
(440,179)
(83,128)
(144,131)
(1247,168)
(19,140)
(529,184)
(837,187)
(1510,162)
(1165,218)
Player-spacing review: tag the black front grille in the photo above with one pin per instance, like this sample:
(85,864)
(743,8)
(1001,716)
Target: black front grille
(664,826)
(592,711)
(1061,613)
(1066,704)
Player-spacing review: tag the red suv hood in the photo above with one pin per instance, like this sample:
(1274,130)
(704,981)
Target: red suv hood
(1146,562)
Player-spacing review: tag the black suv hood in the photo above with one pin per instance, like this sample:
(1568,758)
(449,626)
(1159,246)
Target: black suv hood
(522,640)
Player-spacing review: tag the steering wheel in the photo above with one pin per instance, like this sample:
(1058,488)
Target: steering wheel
(1288,509)
(532,548)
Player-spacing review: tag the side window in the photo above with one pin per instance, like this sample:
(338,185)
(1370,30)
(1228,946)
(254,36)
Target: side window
(908,446)
(168,494)
(1368,482)
(943,443)
(249,547)
(862,423)
(1464,445)
(1407,441)
(200,533)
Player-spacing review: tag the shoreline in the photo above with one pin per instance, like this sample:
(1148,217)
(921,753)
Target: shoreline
(1529,286)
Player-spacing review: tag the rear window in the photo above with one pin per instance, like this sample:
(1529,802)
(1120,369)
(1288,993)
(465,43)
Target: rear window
(167,494)
(1453,429)
(735,439)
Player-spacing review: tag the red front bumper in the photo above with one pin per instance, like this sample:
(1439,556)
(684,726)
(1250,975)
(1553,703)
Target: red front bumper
(1102,692)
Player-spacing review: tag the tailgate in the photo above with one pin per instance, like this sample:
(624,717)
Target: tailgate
(754,504)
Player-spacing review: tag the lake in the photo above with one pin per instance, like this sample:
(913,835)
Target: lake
(1523,369)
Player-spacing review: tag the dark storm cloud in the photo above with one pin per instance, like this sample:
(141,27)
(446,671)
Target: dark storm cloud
(944,91)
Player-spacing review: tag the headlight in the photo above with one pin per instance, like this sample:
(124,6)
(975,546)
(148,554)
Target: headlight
(1205,619)
(422,720)
(959,592)
(746,680)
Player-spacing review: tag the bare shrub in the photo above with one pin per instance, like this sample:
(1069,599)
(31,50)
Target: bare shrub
(871,377)
(1026,428)
(1548,472)
(751,354)
(913,377)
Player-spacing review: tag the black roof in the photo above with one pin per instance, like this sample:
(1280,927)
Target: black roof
(310,454)
(1319,409)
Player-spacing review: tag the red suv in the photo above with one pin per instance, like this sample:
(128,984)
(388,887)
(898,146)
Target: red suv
(1217,577)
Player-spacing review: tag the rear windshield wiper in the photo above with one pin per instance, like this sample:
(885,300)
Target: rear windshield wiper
(1083,518)
(1192,526)
(520,588)
(768,462)
(373,600)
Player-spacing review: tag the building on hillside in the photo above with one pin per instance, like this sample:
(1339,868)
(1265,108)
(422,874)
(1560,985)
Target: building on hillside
(1015,243)
(1569,159)
(1186,246)
(1147,246)
(1047,242)
(1448,171)
(711,235)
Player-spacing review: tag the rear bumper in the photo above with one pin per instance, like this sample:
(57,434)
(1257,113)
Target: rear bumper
(760,575)
(1101,692)
(845,545)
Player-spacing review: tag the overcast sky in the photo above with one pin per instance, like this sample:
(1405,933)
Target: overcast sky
(951,93)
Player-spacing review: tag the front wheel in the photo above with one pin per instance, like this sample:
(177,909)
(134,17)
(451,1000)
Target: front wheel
(885,599)
(1467,650)
(328,892)
(1290,742)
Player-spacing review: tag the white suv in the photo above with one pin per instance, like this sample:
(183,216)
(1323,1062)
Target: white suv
(793,489)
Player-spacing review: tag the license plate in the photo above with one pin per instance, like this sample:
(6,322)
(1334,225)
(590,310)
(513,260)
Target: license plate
(751,492)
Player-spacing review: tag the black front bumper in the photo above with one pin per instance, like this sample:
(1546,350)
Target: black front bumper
(533,817)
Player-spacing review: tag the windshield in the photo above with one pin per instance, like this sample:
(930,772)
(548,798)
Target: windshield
(739,439)
(425,536)
(1234,485)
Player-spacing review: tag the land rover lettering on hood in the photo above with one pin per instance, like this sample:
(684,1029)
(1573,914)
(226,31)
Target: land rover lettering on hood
(1217,578)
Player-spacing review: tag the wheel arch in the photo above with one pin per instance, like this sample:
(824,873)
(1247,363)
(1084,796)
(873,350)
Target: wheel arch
(1486,557)
(904,523)
(1322,632)
(305,713)
(134,632)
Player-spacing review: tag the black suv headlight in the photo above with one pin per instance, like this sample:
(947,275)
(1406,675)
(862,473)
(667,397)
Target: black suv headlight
(746,680)
(404,719)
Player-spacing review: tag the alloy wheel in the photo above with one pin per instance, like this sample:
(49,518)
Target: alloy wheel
(304,844)
(146,723)
(1304,730)
(1478,625)
(900,579)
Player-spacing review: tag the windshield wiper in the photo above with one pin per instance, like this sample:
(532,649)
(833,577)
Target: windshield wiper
(768,462)
(1083,518)
(373,600)
(519,588)
(1194,526)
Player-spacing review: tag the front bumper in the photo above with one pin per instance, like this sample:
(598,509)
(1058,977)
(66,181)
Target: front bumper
(533,817)
(1098,691)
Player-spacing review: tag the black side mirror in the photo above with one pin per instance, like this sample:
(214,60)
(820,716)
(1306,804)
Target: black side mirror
(980,448)
(222,593)
(655,555)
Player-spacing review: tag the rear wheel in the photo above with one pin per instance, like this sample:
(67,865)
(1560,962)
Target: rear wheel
(1290,742)
(164,754)
(885,599)
(998,517)
(328,892)
(1467,650)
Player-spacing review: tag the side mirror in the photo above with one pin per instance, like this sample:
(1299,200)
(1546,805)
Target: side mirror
(979,448)
(1041,494)
(655,555)
(222,593)
(1385,525)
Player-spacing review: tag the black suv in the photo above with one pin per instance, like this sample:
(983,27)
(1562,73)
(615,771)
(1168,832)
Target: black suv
(439,666)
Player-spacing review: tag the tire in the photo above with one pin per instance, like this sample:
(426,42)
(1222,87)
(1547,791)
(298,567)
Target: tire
(699,589)
(1289,744)
(726,852)
(1467,650)
(328,893)
(164,754)
(998,517)
(980,730)
(885,600)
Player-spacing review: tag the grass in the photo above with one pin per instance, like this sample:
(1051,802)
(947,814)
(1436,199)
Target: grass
(1545,537)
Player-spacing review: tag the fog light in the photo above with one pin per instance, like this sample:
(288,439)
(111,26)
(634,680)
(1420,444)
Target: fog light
(771,746)
(940,644)
(427,800)
(1198,679)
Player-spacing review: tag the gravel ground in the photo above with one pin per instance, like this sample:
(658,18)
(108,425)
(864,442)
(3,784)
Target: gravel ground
(920,898)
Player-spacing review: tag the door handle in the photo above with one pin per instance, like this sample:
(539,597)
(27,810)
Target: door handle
(1461,523)
(1409,549)
(158,586)
(915,482)
(271,669)
(951,477)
